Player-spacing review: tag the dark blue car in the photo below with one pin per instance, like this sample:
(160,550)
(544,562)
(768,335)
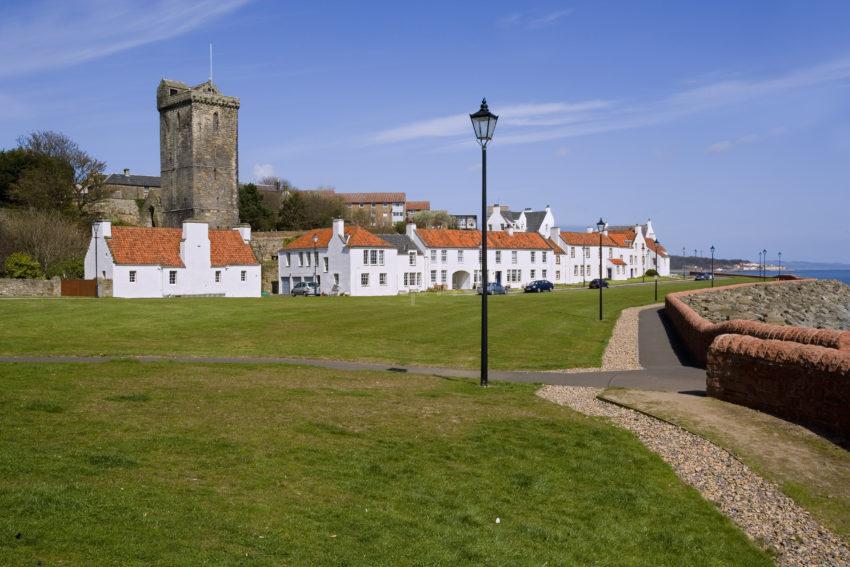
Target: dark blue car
(597,283)
(539,285)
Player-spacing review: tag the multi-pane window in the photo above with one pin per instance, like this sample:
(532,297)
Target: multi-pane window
(244,275)
(325,263)
(382,278)
(557,259)
(582,269)
(419,278)
(442,276)
(531,275)
(172,277)
(460,255)
(480,255)
(433,277)
(433,255)
(406,280)
(610,252)
(533,256)
(444,254)
(543,274)
(411,258)
(572,251)
(498,256)
(364,280)
(543,256)
(380,257)
(365,257)
(218,276)
(514,276)
(514,257)
(132,276)
(558,275)
(336,279)
(373,257)
(575,270)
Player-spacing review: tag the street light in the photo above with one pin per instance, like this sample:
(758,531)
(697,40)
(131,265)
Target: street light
(315,256)
(600,226)
(759,264)
(780,265)
(484,124)
(712,265)
(657,242)
(764,269)
(683,262)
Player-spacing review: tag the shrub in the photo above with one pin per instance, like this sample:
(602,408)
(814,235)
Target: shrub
(67,269)
(21,265)
(651,273)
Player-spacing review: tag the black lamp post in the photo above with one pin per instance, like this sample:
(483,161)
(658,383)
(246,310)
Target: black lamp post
(657,243)
(759,263)
(764,266)
(780,265)
(683,262)
(315,256)
(484,124)
(712,265)
(600,226)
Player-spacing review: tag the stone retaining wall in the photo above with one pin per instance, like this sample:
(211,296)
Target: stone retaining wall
(804,383)
(10,287)
(697,332)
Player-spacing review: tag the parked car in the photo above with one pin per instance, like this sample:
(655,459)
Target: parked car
(539,285)
(703,276)
(597,283)
(494,288)
(305,288)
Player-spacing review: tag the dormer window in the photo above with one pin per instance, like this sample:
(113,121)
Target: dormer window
(172,92)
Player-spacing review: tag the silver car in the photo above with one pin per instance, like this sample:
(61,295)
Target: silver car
(305,288)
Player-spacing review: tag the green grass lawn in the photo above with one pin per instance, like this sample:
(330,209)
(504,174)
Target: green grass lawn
(527,331)
(125,463)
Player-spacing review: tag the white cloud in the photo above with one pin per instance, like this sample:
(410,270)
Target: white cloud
(262,170)
(54,33)
(725,145)
(538,122)
(533,20)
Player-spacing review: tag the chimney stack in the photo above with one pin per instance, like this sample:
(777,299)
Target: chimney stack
(126,172)
(339,227)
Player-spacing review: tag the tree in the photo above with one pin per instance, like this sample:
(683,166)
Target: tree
(651,273)
(321,207)
(400,227)
(47,184)
(358,216)
(252,210)
(21,265)
(87,172)
(433,219)
(48,236)
(292,213)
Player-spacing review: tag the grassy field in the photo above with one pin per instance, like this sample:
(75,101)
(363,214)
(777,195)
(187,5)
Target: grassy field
(527,331)
(125,463)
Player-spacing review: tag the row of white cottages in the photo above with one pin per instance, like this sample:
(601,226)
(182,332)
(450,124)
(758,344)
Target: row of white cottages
(352,261)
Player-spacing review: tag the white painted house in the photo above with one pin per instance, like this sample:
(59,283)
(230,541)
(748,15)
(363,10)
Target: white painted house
(164,262)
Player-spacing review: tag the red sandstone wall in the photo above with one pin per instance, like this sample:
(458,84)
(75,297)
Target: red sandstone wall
(697,333)
(804,383)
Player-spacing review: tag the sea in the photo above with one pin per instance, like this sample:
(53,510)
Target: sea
(840,275)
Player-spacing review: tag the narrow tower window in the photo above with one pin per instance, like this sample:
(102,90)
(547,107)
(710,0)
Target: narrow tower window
(215,122)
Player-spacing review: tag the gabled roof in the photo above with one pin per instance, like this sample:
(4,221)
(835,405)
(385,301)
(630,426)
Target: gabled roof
(351,198)
(496,239)
(554,246)
(401,242)
(141,246)
(132,180)
(533,219)
(623,238)
(587,239)
(357,238)
(652,245)
(616,261)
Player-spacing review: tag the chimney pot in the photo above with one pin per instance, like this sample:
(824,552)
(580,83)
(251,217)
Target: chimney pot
(126,172)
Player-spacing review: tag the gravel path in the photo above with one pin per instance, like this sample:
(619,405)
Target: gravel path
(757,506)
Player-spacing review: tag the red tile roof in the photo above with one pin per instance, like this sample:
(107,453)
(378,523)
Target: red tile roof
(439,238)
(357,238)
(651,244)
(353,198)
(586,239)
(140,246)
(418,205)
(616,261)
(554,246)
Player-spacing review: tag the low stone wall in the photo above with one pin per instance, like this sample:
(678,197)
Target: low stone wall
(697,333)
(804,383)
(30,288)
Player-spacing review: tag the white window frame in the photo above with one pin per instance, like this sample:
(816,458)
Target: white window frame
(218,276)
(382,278)
(411,258)
(325,259)
(243,276)
(132,276)
(514,257)
(172,277)
(364,279)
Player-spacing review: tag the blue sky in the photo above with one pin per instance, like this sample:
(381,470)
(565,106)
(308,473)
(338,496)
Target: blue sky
(728,123)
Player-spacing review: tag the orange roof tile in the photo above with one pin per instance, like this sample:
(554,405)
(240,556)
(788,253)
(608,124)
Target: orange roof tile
(616,261)
(141,246)
(440,238)
(586,239)
(554,246)
(357,238)
(418,205)
(228,249)
(622,238)
(651,244)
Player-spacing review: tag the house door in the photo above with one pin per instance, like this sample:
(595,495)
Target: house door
(609,273)
(274,288)
(284,286)
(499,277)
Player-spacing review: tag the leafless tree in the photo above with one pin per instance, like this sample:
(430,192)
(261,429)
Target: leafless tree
(48,236)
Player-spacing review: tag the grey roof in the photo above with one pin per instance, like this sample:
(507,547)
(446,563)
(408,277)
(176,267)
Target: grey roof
(133,180)
(401,242)
(622,227)
(511,215)
(534,219)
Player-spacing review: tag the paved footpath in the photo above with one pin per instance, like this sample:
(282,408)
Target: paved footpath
(663,368)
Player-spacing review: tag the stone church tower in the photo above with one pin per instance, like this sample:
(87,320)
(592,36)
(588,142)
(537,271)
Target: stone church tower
(198,150)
